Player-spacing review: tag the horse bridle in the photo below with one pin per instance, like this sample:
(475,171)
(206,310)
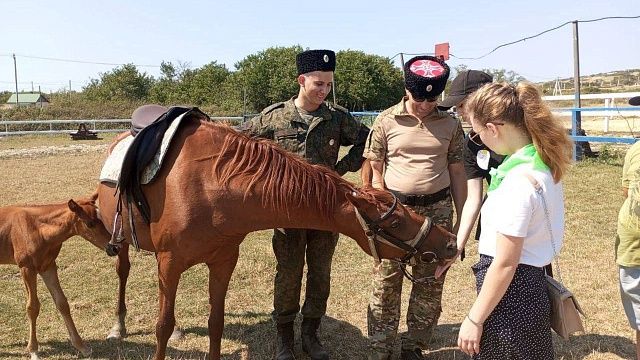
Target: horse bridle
(376,233)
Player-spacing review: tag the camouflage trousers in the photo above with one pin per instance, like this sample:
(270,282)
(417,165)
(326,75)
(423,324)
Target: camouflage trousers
(383,315)
(290,247)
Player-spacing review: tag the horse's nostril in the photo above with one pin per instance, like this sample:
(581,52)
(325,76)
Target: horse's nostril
(112,250)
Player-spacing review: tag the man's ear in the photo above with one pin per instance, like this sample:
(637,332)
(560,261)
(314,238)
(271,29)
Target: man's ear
(301,79)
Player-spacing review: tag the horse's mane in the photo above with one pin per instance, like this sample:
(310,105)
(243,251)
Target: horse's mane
(286,178)
(381,198)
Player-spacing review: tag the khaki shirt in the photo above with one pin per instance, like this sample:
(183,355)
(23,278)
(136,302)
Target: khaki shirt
(319,140)
(416,154)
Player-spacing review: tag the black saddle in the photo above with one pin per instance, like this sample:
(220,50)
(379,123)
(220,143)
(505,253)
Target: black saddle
(142,150)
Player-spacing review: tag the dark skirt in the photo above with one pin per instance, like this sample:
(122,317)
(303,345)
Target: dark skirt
(519,327)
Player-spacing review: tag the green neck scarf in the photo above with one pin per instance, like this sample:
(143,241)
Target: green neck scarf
(525,156)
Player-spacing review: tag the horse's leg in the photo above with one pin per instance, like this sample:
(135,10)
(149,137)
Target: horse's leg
(169,271)
(51,280)
(219,274)
(119,329)
(29,277)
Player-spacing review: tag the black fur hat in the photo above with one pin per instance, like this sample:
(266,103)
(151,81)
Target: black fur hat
(425,76)
(315,60)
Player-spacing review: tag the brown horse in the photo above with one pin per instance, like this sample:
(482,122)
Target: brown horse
(217,185)
(32,236)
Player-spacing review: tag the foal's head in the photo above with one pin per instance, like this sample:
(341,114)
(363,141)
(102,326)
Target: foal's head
(87,223)
(399,222)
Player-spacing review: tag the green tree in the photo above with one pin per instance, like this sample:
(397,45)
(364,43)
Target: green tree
(122,83)
(164,90)
(231,100)
(268,76)
(500,75)
(203,86)
(4,96)
(366,82)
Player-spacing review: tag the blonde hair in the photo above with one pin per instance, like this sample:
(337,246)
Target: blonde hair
(521,105)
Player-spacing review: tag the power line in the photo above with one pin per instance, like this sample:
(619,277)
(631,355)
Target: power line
(541,33)
(417,54)
(43,83)
(82,61)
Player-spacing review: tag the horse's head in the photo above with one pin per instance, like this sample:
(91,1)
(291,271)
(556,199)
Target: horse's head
(89,225)
(396,232)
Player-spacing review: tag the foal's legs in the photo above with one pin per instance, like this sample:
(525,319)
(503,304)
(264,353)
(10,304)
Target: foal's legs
(29,277)
(219,274)
(169,271)
(123,265)
(50,278)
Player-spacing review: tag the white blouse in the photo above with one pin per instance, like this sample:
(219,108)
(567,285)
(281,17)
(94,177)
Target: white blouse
(515,209)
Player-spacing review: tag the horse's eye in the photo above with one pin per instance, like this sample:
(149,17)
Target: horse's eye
(395,223)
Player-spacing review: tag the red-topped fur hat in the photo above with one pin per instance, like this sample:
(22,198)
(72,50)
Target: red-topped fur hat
(425,76)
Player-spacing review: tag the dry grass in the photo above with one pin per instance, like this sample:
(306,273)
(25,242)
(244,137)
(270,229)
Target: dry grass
(88,277)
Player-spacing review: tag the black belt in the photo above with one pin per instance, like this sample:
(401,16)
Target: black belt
(423,200)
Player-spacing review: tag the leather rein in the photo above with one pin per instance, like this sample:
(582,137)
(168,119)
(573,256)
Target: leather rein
(376,233)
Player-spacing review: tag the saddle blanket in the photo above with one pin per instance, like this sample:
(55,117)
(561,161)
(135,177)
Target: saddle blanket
(111,169)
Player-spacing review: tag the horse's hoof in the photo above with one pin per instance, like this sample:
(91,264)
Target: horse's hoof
(86,351)
(177,335)
(116,333)
(34,356)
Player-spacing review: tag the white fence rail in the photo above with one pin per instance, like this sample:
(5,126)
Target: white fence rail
(10,127)
(623,95)
(609,110)
(43,127)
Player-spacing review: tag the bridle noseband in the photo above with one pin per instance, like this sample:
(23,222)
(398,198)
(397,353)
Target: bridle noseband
(376,233)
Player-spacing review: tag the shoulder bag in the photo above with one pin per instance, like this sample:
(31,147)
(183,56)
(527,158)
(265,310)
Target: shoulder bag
(565,310)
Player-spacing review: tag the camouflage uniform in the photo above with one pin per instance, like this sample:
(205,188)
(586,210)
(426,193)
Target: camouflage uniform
(383,315)
(317,137)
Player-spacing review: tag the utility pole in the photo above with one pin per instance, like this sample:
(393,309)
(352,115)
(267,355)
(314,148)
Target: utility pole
(15,72)
(32,87)
(577,118)
(244,102)
(402,62)
(333,89)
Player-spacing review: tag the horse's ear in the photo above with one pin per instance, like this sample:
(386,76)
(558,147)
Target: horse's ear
(79,211)
(355,198)
(94,197)
(73,206)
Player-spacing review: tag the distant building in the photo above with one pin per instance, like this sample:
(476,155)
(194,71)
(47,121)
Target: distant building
(26,99)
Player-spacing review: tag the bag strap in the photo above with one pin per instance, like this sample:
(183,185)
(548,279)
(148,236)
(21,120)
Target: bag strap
(539,191)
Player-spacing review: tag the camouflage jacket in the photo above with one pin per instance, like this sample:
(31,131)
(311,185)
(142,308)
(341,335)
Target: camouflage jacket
(318,142)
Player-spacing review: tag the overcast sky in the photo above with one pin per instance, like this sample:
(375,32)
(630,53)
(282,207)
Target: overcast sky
(198,32)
